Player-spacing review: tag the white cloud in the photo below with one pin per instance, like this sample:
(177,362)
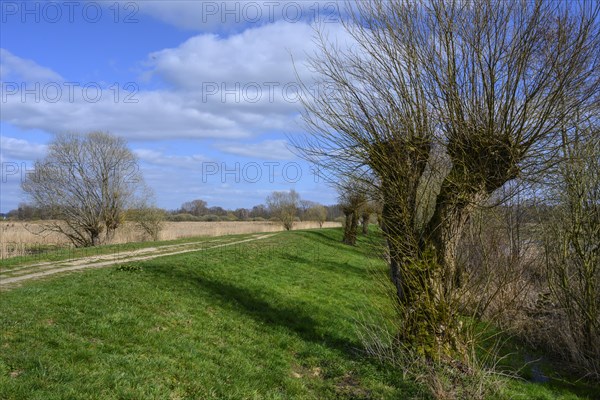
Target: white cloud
(260,54)
(19,149)
(160,159)
(267,150)
(156,115)
(13,68)
(235,15)
(248,72)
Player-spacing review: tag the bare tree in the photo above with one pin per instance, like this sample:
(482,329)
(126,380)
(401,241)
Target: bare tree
(284,206)
(365,217)
(195,207)
(572,245)
(88,182)
(303,207)
(317,213)
(352,199)
(148,218)
(446,102)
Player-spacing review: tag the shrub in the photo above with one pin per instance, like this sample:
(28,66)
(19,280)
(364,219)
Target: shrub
(183,217)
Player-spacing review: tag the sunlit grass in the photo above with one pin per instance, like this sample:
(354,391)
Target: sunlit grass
(270,319)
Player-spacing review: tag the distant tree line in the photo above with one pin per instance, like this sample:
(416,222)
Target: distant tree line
(302,210)
(259,212)
(28,212)
(198,210)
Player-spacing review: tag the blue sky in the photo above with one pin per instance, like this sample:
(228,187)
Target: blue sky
(204,91)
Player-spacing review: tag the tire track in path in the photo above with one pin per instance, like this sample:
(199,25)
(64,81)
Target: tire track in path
(96,261)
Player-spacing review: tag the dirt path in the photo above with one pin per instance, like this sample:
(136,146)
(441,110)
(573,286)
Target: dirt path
(41,270)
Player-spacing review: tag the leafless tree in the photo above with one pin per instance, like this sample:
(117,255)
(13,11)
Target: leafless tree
(303,207)
(317,213)
(571,236)
(365,216)
(446,102)
(352,198)
(284,206)
(87,182)
(195,207)
(146,217)
(149,220)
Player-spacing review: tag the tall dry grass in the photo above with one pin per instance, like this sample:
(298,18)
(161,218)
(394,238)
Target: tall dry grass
(21,238)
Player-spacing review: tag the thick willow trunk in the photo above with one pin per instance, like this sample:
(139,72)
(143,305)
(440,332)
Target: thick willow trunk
(400,165)
(94,238)
(365,223)
(424,317)
(401,248)
(423,267)
(351,227)
(445,231)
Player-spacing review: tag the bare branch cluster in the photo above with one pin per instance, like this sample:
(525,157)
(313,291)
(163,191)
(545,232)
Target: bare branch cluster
(284,206)
(445,103)
(87,182)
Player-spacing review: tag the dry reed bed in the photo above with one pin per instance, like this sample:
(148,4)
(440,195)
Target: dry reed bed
(21,238)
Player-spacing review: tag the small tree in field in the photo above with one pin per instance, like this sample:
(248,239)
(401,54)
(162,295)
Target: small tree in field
(150,220)
(87,182)
(284,207)
(317,213)
(303,207)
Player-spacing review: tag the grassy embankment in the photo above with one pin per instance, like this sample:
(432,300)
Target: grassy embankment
(270,319)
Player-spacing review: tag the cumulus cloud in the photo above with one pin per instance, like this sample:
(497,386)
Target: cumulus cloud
(175,161)
(254,55)
(220,87)
(233,87)
(19,149)
(154,115)
(237,15)
(14,68)
(267,150)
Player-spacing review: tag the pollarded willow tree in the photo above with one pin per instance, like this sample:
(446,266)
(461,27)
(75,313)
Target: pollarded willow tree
(446,102)
(352,199)
(88,182)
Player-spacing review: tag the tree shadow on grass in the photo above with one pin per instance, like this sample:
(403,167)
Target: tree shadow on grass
(296,319)
(293,318)
(323,236)
(322,265)
(366,246)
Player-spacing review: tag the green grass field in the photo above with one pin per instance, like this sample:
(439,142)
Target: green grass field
(270,319)
(51,254)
